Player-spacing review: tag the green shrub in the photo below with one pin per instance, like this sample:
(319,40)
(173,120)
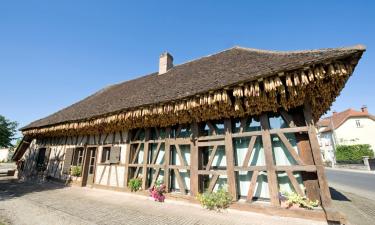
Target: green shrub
(76,171)
(302,201)
(135,184)
(215,200)
(353,152)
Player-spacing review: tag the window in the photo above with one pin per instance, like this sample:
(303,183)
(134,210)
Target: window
(106,154)
(358,123)
(77,157)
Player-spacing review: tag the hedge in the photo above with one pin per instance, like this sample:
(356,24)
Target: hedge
(353,152)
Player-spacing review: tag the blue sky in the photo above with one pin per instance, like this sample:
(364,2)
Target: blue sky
(54,53)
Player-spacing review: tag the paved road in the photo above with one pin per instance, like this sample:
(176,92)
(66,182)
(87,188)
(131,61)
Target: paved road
(46,204)
(359,183)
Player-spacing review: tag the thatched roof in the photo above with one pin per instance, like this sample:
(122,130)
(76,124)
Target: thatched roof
(219,71)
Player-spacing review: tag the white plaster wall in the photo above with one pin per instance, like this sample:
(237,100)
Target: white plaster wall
(348,133)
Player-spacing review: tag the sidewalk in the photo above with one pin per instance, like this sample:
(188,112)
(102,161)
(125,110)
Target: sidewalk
(37,204)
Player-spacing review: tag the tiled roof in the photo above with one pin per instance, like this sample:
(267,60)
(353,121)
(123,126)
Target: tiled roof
(226,68)
(339,118)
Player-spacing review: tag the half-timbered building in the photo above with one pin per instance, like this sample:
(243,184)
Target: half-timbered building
(241,119)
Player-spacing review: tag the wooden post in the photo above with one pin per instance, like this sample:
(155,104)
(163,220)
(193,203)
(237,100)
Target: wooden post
(145,159)
(127,160)
(271,172)
(309,178)
(229,154)
(167,154)
(194,160)
(324,189)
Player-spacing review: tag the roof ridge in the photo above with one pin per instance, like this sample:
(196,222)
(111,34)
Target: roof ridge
(353,47)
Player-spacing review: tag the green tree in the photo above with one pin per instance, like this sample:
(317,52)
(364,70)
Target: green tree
(8,130)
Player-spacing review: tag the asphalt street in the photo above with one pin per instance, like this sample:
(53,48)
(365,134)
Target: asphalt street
(359,183)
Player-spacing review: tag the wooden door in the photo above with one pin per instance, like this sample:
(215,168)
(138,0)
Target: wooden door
(89,167)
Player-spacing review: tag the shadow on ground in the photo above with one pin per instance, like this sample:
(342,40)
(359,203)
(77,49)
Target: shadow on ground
(11,187)
(339,196)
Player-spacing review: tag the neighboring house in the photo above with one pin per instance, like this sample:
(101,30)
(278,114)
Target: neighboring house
(348,127)
(4,153)
(241,118)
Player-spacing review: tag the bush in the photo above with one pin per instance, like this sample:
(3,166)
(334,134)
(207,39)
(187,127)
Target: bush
(215,200)
(302,201)
(135,184)
(76,171)
(353,152)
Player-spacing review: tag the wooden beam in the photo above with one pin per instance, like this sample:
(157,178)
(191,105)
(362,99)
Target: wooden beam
(213,182)
(271,172)
(194,161)
(294,182)
(211,127)
(210,143)
(167,156)
(290,148)
(146,151)
(211,158)
(249,151)
(156,175)
(135,156)
(324,189)
(287,118)
(253,183)
(309,177)
(243,124)
(127,162)
(180,181)
(156,154)
(179,153)
(229,155)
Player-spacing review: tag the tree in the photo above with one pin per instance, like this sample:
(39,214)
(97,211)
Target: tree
(7,131)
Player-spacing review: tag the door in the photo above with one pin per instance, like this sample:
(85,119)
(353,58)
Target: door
(89,167)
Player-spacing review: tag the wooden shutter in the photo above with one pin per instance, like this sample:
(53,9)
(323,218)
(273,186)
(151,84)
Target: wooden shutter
(68,160)
(115,154)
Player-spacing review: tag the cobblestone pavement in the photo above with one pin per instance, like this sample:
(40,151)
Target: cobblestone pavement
(51,204)
(358,210)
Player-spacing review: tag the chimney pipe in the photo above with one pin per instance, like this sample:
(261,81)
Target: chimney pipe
(165,62)
(364,109)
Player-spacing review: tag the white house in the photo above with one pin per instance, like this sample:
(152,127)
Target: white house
(345,128)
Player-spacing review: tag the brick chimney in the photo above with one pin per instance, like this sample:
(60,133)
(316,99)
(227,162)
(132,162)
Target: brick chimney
(165,62)
(364,109)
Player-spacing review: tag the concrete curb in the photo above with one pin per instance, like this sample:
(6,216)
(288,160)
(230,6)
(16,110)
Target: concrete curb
(350,170)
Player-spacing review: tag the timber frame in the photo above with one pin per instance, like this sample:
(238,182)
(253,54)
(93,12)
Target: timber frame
(204,176)
(186,136)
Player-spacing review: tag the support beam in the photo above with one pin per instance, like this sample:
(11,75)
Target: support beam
(194,161)
(229,154)
(145,159)
(315,149)
(271,172)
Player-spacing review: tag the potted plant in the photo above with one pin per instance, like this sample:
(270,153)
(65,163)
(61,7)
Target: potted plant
(157,191)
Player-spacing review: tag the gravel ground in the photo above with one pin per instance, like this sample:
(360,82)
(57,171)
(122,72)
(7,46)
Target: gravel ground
(46,204)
